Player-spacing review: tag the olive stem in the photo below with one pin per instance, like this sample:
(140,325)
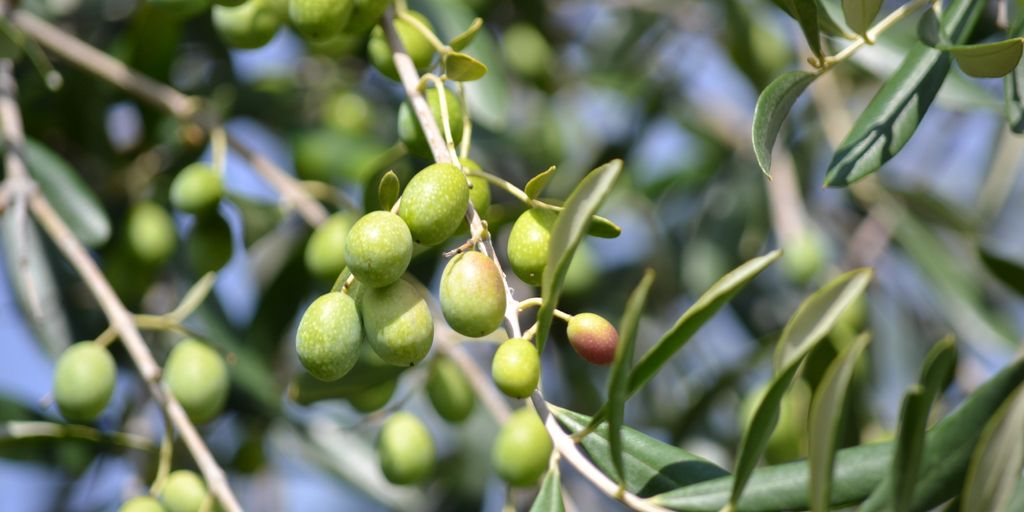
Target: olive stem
(872,34)
(219,150)
(536,302)
(467,123)
(16,430)
(163,468)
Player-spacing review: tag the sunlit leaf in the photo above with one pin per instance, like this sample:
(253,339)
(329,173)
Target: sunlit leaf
(989,60)
(463,68)
(462,40)
(549,499)
(537,183)
(772,108)
(860,14)
(603,228)
(997,460)
(388,190)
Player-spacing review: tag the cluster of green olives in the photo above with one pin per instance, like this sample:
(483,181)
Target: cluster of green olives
(85,375)
(183,491)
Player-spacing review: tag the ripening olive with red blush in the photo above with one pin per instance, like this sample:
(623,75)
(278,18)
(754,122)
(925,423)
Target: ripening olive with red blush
(593,337)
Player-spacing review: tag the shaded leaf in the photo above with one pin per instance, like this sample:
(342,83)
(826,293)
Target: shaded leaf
(989,60)
(928,30)
(549,499)
(537,183)
(650,466)
(826,410)
(860,470)
(463,68)
(909,445)
(771,110)
(1011,273)
(997,461)
(805,12)
(860,14)
(1013,84)
(619,378)
(388,190)
(603,228)
(566,235)
(462,40)
(817,315)
(892,116)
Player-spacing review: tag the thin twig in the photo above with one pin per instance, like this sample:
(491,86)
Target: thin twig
(11,430)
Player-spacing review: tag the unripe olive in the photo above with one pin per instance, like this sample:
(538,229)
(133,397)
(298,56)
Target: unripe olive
(347,112)
(803,257)
(449,390)
(150,232)
(250,24)
(329,336)
(198,378)
(325,250)
(522,449)
(516,368)
(434,203)
(526,50)
(335,46)
(184,491)
(373,398)
(411,133)
(480,188)
(180,9)
(593,337)
(417,46)
(378,248)
(208,246)
(142,504)
(472,294)
(406,449)
(198,187)
(398,323)
(365,15)
(528,244)
(84,381)
(318,20)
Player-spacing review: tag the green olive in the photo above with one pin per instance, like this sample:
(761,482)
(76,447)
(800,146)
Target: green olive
(378,248)
(317,20)
(411,133)
(472,294)
(449,390)
(406,449)
(398,323)
(84,381)
(198,378)
(250,24)
(416,45)
(141,504)
(528,244)
(150,232)
(365,15)
(347,112)
(803,257)
(434,203)
(329,336)
(198,187)
(209,244)
(516,368)
(480,188)
(522,449)
(325,250)
(526,50)
(594,338)
(184,491)
(373,398)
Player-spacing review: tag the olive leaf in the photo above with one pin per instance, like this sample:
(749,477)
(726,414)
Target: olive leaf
(860,14)
(805,12)
(619,378)
(462,40)
(1011,273)
(603,228)
(1013,84)
(892,115)
(771,110)
(997,460)
(537,183)
(549,499)
(989,60)
(463,68)
(928,30)
(566,235)
(826,410)
(387,190)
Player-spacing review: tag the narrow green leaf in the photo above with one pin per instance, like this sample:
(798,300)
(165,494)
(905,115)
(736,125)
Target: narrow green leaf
(988,60)
(619,378)
(892,116)
(700,312)
(1011,273)
(650,466)
(1013,84)
(387,190)
(463,68)
(997,460)
(826,410)
(549,499)
(910,434)
(603,228)
(863,470)
(462,40)
(537,183)
(805,12)
(817,315)
(566,235)
(74,201)
(772,108)
(195,296)
(860,14)
(928,30)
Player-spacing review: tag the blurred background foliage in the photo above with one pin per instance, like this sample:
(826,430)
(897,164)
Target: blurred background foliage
(667,85)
